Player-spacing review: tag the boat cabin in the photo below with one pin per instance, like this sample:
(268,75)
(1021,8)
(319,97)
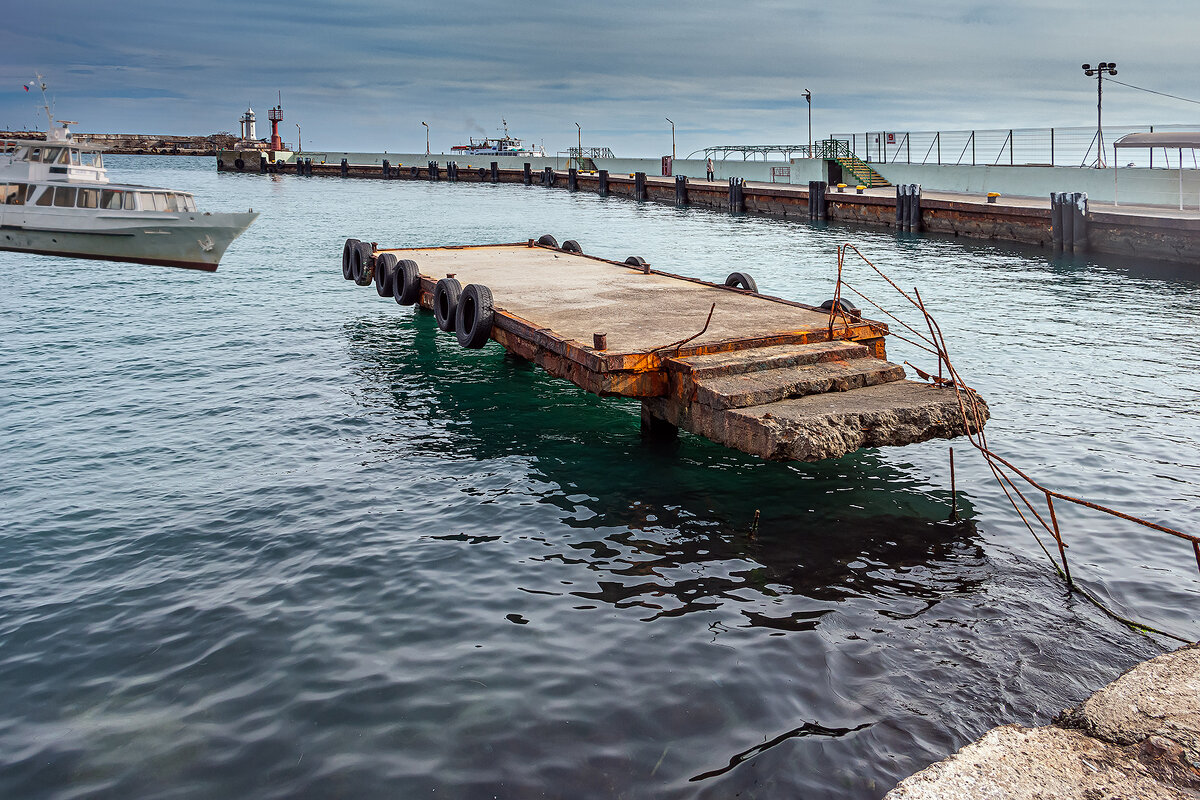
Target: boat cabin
(116,198)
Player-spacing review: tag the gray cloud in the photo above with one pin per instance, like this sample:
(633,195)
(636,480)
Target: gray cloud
(363,75)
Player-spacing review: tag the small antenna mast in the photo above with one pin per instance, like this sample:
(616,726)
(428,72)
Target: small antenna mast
(45,102)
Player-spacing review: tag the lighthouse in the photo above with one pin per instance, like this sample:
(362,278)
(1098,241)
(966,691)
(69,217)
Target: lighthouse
(247,121)
(276,117)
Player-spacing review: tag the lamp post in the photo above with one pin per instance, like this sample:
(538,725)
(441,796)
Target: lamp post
(426,124)
(1101,69)
(668,119)
(299,141)
(808,97)
(579,147)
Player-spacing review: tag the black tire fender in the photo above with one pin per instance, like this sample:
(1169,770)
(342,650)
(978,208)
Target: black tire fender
(348,258)
(364,264)
(474,316)
(445,302)
(483,173)
(571,246)
(239,164)
(414,171)
(636,261)
(406,282)
(548,240)
(742,280)
(844,306)
(385,271)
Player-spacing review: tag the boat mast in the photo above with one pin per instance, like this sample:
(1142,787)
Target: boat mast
(45,102)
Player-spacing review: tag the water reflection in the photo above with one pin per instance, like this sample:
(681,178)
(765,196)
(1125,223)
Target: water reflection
(673,524)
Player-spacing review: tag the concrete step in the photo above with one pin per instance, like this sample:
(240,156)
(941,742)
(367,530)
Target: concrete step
(772,385)
(829,425)
(738,362)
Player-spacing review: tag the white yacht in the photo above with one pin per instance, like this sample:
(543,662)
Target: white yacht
(56,199)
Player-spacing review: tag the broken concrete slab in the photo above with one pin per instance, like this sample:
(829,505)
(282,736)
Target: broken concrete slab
(1016,763)
(739,362)
(1135,738)
(829,425)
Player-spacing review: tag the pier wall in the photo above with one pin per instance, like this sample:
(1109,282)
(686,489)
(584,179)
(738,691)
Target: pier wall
(1110,230)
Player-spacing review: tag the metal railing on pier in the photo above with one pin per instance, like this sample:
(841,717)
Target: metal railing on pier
(1059,147)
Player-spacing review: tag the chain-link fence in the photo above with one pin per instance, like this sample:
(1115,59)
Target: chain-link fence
(1062,147)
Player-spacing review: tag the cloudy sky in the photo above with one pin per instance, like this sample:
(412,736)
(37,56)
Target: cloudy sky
(364,74)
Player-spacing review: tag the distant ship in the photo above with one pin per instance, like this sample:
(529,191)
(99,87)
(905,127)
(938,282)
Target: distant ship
(505,145)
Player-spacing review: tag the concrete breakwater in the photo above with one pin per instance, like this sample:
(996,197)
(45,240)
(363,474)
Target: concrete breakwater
(141,143)
(1139,231)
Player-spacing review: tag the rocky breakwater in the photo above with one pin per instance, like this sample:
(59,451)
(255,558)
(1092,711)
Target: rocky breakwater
(1139,737)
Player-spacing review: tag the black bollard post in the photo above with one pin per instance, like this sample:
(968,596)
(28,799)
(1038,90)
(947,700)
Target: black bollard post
(639,186)
(822,206)
(299,166)
(308,166)
(262,163)
(681,190)
(495,172)
(345,168)
(602,187)
(528,174)
(901,212)
(914,208)
(387,169)
(548,177)
(812,200)
(572,180)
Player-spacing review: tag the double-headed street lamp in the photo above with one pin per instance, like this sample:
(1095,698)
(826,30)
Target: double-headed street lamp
(579,147)
(668,119)
(299,143)
(1101,69)
(426,124)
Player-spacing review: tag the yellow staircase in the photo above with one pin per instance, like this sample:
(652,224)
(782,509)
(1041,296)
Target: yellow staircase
(862,171)
(839,150)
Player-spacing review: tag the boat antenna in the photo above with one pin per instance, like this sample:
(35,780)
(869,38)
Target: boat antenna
(504,122)
(41,85)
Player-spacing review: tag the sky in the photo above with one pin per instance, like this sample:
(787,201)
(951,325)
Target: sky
(361,75)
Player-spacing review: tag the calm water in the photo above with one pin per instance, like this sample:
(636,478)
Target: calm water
(264,534)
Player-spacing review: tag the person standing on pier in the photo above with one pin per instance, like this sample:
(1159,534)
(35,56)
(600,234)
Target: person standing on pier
(709,167)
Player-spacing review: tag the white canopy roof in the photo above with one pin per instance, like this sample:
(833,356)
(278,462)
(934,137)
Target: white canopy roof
(1177,139)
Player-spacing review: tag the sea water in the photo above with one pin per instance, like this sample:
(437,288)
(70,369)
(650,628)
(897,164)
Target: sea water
(265,534)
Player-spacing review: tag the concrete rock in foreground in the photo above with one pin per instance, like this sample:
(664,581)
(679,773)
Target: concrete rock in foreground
(1136,739)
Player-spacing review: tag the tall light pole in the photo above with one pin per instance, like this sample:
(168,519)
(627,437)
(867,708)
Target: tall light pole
(808,97)
(299,142)
(426,124)
(579,149)
(1102,69)
(668,119)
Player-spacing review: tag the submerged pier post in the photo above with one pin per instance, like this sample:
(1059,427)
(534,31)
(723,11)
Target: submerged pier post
(737,197)
(572,179)
(1056,224)
(639,186)
(387,169)
(681,190)
(345,168)
(602,185)
(914,208)
(822,204)
(528,177)
(548,177)
(495,172)
(901,206)
(1079,210)
(1068,222)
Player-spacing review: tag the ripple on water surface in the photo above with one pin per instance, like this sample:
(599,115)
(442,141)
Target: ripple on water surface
(266,534)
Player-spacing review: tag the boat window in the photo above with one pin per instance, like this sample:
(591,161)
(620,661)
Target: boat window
(46,196)
(13,194)
(145,201)
(67,156)
(64,196)
(50,154)
(131,201)
(88,198)
(111,199)
(35,154)
(160,202)
(98,161)
(189,203)
(89,159)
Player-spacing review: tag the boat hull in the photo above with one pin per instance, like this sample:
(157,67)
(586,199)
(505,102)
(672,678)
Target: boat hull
(187,240)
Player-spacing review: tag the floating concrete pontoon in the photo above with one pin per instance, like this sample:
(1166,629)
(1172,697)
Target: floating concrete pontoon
(760,374)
